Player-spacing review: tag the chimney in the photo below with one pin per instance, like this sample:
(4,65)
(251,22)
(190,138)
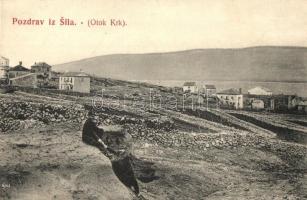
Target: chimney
(240,90)
(20,63)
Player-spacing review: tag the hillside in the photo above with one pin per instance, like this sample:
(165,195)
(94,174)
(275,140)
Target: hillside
(182,154)
(254,64)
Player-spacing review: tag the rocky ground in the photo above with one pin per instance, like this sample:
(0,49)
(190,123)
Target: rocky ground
(197,154)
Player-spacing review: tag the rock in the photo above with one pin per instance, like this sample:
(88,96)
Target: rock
(18,111)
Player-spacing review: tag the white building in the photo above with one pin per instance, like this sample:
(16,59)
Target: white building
(257,104)
(3,72)
(4,61)
(75,81)
(190,87)
(209,90)
(42,68)
(4,67)
(302,106)
(231,98)
(260,91)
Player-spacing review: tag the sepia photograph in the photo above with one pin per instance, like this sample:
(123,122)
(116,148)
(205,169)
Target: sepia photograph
(153,100)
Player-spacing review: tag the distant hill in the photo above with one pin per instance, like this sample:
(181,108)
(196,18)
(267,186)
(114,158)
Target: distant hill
(253,63)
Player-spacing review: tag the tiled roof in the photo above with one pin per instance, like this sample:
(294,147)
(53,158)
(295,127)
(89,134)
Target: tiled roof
(210,87)
(39,64)
(19,68)
(231,91)
(189,84)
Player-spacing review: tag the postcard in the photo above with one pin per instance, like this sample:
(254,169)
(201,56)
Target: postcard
(153,99)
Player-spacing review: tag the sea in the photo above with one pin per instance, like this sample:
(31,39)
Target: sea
(287,88)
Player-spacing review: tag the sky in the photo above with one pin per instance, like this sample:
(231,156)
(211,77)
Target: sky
(152,26)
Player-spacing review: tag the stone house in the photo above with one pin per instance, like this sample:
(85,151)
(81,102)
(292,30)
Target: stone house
(43,69)
(75,81)
(18,70)
(257,104)
(281,102)
(231,98)
(4,72)
(272,102)
(4,67)
(190,87)
(4,61)
(209,90)
(302,106)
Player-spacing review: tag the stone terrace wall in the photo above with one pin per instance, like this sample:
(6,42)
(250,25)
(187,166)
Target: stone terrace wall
(16,114)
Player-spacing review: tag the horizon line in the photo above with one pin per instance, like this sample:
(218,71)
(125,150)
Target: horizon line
(186,50)
(176,51)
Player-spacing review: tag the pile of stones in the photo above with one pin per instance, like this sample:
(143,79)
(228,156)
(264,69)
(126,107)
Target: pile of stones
(14,113)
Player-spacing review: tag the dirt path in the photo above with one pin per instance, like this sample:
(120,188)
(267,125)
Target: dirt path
(53,163)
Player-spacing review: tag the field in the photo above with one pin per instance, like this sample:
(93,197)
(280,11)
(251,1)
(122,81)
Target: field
(196,153)
(277,87)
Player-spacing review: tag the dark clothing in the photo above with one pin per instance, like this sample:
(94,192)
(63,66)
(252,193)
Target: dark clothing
(124,171)
(121,162)
(91,133)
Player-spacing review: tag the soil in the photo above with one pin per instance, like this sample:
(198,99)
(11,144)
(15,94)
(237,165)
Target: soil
(195,158)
